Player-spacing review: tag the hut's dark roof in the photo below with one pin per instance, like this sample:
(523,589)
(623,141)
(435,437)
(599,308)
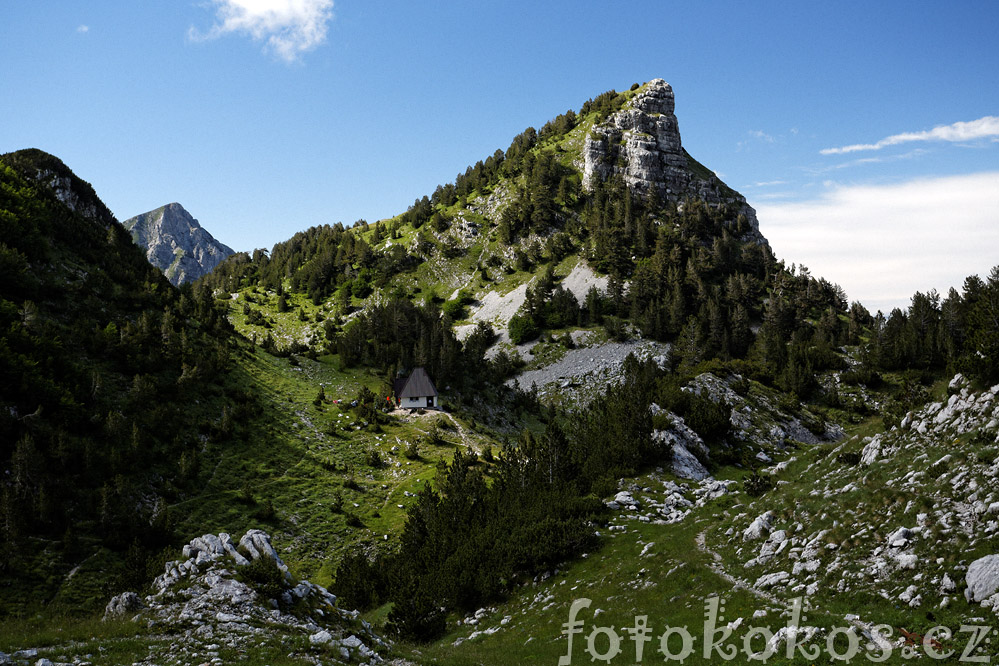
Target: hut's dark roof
(418,385)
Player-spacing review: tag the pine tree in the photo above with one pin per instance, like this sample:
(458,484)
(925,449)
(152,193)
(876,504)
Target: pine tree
(689,346)
(741,334)
(984,325)
(593,306)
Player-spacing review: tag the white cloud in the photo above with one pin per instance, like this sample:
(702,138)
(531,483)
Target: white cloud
(985,127)
(762,136)
(288,28)
(860,161)
(775,196)
(884,243)
(83,28)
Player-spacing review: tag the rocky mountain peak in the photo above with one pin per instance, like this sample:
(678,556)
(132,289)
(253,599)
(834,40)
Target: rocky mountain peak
(641,143)
(176,243)
(655,97)
(176,210)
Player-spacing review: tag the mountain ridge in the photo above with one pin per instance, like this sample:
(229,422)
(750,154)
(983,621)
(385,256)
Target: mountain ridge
(51,172)
(635,208)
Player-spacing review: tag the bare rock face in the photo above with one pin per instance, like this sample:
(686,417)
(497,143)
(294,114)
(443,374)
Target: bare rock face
(67,192)
(258,544)
(982,579)
(642,144)
(176,243)
(219,597)
(759,528)
(683,443)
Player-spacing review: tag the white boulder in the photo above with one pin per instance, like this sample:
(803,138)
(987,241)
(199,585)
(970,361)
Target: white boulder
(982,579)
(759,528)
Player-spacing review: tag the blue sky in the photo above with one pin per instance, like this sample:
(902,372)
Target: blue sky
(265,117)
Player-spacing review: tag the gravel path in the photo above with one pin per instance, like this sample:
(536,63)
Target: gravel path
(737,583)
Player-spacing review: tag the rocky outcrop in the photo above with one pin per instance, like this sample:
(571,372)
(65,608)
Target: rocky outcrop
(222,596)
(666,501)
(641,143)
(685,445)
(123,604)
(176,243)
(759,528)
(759,418)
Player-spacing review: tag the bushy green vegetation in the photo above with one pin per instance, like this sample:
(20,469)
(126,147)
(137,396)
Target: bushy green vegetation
(400,335)
(320,262)
(263,576)
(707,418)
(482,529)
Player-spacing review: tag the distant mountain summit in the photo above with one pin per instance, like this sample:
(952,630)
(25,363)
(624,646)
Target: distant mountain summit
(176,243)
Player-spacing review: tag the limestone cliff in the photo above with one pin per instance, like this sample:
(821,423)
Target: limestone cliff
(176,243)
(641,143)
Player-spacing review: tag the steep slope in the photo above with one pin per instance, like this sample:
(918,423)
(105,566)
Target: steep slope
(597,227)
(176,243)
(102,367)
(131,417)
(50,173)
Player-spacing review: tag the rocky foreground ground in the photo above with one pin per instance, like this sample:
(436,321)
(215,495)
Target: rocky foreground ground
(910,516)
(223,601)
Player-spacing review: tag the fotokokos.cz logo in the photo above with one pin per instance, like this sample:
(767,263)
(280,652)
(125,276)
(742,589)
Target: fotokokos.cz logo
(875,644)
